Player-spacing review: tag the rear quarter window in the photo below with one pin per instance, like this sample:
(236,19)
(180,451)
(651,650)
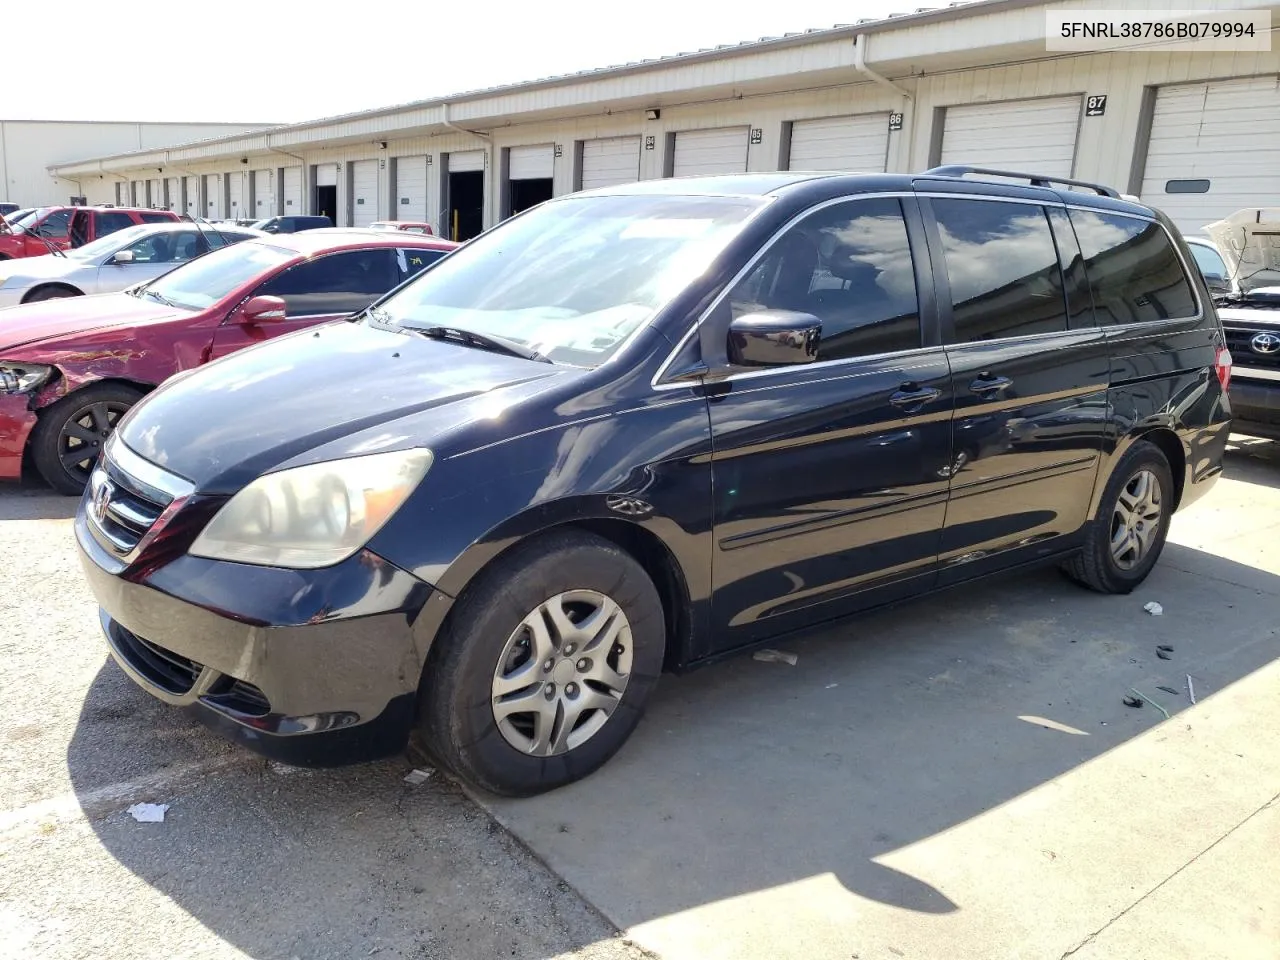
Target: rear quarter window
(1134,271)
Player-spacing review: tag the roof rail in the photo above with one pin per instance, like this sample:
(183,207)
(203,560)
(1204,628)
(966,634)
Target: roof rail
(1036,180)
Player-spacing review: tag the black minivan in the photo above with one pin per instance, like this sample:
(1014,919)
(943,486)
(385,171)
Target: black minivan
(641,428)
(292,224)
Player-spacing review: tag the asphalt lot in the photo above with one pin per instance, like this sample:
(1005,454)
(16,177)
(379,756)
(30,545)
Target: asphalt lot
(962,779)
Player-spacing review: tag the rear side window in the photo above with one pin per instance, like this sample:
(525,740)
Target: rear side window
(410,261)
(339,283)
(156,218)
(1133,270)
(1003,268)
(111,222)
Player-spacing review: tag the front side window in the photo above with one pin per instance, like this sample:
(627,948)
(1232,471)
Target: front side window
(574,278)
(1133,269)
(850,266)
(105,246)
(339,283)
(1003,269)
(172,246)
(54,226)
(1209,261)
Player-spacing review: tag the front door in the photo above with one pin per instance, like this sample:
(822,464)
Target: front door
(152,256)
(830,478)
(314,291)
(1029,371)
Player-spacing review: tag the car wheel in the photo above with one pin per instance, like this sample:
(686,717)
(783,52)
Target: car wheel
(70,434)
(1124,540)
(545,666)
(51,293)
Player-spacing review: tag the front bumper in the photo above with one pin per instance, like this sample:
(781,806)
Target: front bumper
(1255,401)
(316,667)
(16,423)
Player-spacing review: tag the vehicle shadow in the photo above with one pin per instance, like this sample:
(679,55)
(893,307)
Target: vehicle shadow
(31,499)
(745,776)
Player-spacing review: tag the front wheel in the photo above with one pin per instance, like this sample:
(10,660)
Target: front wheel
(70,434)
(545,667)
(52,293)
(1124,541)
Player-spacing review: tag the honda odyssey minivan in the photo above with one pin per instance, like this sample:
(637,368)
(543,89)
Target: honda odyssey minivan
(642,428)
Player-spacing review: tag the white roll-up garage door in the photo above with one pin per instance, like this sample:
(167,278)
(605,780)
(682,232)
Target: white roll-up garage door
(610,161)
(235,193)
(138,198)
(531,163)
(364,192)
(264,197)
(175,193)
(193,195)
(1026,136)
(156,196)
(411,189)
(705,152)
(466,161)
(293,190)
(1212,150)
(860,144)
(213,193)
(327,175)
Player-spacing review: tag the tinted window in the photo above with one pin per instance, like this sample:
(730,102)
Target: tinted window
(111,222)
(156,218)
(1003,269)
(168,247)
(1133,269)
(850,266)
(338,283)
(54,226)
(1209,261)
(224,238)
(410,261)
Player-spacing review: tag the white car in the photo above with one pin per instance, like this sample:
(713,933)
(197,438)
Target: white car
(114,262)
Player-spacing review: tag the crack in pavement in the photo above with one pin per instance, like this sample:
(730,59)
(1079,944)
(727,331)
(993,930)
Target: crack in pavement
(1093,936)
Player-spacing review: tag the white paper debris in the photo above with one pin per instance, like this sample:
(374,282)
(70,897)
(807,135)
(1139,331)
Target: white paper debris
(418,776)
(148,812)
(775,656)
(1153,608)
(832,686)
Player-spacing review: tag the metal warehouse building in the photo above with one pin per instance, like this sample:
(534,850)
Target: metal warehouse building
(1195,133)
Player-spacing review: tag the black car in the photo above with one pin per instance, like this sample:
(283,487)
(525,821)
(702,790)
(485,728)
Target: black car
(291,224)
(642,428)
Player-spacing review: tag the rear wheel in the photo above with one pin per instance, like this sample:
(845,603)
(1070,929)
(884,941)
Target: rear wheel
(51,293)
(1125,539)
(70,434)
(546,666)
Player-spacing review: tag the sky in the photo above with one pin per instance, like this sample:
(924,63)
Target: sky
(258,61)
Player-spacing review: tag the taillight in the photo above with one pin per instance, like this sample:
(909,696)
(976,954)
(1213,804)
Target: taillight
(1222,366)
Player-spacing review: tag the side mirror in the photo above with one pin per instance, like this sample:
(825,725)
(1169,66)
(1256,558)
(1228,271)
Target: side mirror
(122,256)
(263,310)
(1217,285)
(774,337)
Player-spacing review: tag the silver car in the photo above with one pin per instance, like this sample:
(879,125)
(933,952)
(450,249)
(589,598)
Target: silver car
(114,262)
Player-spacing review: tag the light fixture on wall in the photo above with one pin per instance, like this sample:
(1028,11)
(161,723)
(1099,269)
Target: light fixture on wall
(382,144)
(653,114)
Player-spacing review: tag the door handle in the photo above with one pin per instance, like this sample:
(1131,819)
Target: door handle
(986,386)
(907,397)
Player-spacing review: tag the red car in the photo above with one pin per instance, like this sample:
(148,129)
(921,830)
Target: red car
(66,227)
(69,369)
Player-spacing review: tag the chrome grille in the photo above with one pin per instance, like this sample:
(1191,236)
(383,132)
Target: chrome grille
(1241,343)
(128,498)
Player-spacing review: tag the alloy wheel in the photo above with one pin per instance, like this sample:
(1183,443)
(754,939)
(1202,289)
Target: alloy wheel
(562,673)
(1135,521)
(82,436)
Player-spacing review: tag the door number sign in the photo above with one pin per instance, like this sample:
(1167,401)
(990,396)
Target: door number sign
(1096,106)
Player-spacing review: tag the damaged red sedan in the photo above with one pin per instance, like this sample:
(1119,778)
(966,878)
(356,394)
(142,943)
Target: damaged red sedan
(70,369)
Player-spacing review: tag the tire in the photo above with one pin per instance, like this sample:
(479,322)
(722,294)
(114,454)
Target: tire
(486,636)
(100,406)
(1099,567)
(52,293)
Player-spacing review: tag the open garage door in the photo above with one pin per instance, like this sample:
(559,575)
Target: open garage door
(411,189)
(610,161)
(705,152)
(235,193)
(364,192)
(293,190)
(860,144)
(1212,150)
(463,208)
(264,196)
(1027,136)
(530,172)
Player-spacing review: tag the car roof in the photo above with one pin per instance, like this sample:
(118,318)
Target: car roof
(170,226)
(309,242)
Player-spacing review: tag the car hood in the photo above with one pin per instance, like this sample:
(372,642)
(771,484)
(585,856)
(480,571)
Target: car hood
(51,322)
(341,389)
(1249,241)
(43,267)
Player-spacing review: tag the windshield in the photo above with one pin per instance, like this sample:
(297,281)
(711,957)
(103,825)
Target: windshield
(110,243)
(572,279)
(206,280)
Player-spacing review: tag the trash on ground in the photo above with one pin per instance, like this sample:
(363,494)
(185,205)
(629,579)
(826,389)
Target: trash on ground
(148,812)
(775,656)
(1133,701)
(1164,652)
(1139,693)
(832,686)
(1176,693)
(420,775)
(284,769)
(1191,689)
(1153,608)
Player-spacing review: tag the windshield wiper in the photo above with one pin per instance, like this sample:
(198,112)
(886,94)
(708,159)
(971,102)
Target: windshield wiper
(485,341)
(158,296)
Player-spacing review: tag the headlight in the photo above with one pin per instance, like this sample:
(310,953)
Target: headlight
(22,377)
(312,516)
